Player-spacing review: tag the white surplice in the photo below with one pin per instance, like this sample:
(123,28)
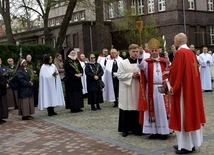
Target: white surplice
(161,124)
(83,79)
(205,70)
(50,88)
(128,86)
(101,60)
(108,91)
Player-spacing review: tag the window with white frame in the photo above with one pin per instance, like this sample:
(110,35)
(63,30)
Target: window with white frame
(212,35)
(57,21)
(120,8)
(133,7)
(161,5)
(76,18)
(82,16)
(151,7)
(191,4)
(52,23)
(111,10)
(210,5)
(140,7)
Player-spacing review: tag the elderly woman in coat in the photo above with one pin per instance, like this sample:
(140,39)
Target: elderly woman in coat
(73,83)
(25,91)
(94,72)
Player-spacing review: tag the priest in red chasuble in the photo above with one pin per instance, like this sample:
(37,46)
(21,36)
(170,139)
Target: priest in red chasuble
(187,109)
(156,106)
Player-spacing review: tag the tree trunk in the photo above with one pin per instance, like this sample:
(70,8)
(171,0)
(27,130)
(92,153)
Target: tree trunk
(99,24)
(5,12)
(104,40)
(64,25)
(9,34)
(47,32)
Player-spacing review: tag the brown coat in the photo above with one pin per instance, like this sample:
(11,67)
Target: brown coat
(60,66)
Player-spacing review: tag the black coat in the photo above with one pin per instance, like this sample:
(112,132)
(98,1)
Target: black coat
(171,56)
(3,69)
(92,84)
(3,90)
(13,83)
(24,88)
(72,83)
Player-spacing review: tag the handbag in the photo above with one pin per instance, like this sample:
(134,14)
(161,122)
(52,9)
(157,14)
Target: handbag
(100,84)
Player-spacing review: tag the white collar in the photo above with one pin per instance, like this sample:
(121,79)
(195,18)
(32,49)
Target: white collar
(184,46)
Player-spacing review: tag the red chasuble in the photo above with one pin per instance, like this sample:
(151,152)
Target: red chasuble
(184,73)
(142,101)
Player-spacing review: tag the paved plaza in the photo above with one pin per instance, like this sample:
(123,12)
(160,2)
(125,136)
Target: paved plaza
(89,133)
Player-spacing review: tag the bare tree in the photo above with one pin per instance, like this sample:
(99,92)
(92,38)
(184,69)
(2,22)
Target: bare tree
(43,11)
(65,23)
(5,12)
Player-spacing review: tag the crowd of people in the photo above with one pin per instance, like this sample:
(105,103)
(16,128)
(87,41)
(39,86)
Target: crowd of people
(132,83)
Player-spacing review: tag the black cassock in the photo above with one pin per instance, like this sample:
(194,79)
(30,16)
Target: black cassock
(129,120)
(73,85)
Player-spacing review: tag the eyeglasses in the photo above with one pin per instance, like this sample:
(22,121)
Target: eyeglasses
(92,57)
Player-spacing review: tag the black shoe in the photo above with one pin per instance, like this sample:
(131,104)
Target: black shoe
(138,133)
(30,117)
(164,137)
(73,111)
(79,110)
(2,121)
(183,151)
(124,134)
(54,113)
(50,114)
(25,118)
(154,136)
(176,147)
(207,90)
(93,109)
(98,107)
(115,105)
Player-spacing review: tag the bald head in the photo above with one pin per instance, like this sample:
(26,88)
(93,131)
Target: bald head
(180,39)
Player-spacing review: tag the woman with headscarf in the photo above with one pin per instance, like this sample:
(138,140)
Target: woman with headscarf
(73,83)
(94,73)
(50,88)
(25,91)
